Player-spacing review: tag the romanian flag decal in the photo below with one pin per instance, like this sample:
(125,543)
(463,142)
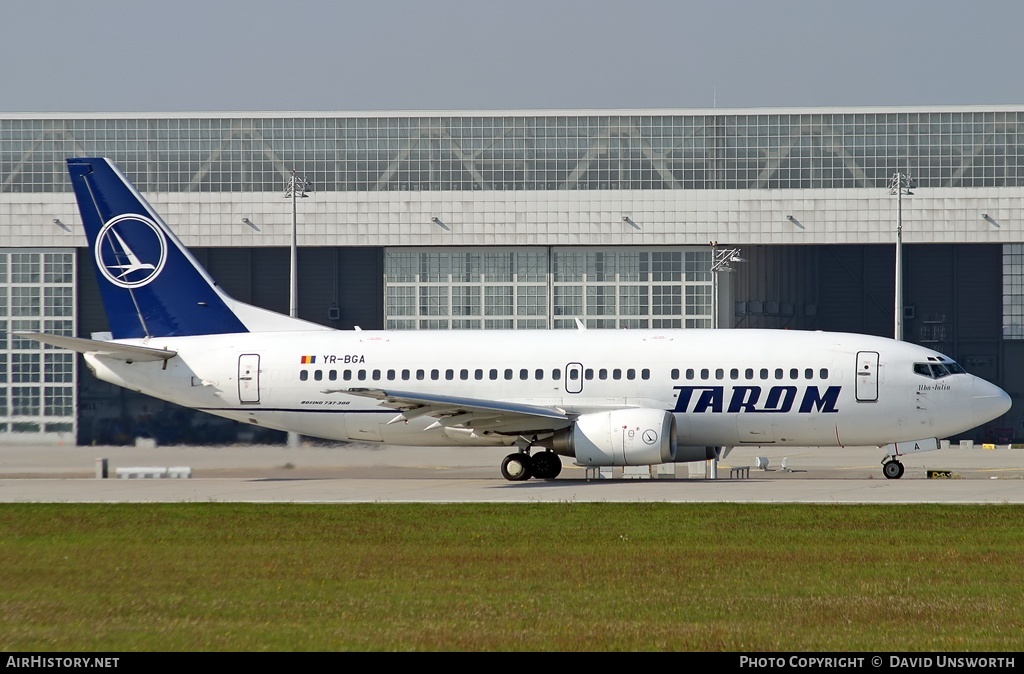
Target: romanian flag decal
(308,360)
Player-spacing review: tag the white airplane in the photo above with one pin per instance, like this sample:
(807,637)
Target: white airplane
(600,397)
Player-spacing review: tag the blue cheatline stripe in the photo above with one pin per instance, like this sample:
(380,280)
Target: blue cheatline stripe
(246,408)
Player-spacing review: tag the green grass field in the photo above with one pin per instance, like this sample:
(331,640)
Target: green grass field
(543,577)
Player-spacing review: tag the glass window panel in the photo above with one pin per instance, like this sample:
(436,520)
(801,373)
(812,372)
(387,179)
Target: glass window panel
(433,301)
(568,300)
(465,301)
(532,301)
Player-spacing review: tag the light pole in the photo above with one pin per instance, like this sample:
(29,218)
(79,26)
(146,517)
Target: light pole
(721,260)
(296,189)
(899,185)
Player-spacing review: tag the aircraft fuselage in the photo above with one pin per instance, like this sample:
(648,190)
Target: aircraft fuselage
(725,387)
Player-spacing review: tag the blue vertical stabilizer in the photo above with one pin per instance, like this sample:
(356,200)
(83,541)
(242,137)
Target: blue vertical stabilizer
(150,283)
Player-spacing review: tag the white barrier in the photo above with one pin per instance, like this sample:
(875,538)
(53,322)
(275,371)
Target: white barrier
(140,472)
(154,472)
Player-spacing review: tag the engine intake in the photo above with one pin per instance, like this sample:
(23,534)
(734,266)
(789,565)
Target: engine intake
(628,437)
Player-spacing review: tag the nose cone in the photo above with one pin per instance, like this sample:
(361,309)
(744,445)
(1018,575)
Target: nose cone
(989,402)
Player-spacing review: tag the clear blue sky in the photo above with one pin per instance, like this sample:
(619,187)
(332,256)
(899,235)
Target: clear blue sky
(215,55)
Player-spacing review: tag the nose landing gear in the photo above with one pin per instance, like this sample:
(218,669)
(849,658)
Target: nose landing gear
(892,469)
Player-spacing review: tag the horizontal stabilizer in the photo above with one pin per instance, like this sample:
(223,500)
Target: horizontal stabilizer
(126,352)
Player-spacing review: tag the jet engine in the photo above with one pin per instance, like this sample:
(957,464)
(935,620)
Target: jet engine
(626,437)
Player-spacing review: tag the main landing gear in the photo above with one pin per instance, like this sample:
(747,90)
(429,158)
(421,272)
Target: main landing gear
(520,466)
(892,469)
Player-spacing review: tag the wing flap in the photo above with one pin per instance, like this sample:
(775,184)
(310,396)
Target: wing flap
(474,413)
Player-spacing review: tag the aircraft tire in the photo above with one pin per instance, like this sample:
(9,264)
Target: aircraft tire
(893,470)
(517,467)
(546,465)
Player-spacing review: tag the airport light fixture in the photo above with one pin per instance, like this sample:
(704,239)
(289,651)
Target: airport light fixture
(295,190)
(722,260)
(900,185)
(629,221)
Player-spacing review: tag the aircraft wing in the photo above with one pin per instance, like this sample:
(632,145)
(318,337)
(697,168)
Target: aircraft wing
(474,413)
(125,352)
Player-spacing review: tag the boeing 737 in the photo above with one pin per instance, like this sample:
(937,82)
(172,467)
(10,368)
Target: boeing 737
(599,397)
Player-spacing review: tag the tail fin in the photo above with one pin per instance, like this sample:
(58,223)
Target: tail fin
(150,283)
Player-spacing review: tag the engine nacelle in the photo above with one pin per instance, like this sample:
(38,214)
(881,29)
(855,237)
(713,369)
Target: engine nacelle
(628,437)
(688,453)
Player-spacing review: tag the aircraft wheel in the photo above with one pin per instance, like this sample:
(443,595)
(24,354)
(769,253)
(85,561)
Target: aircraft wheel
(546,465)
(893,470)
(516,467)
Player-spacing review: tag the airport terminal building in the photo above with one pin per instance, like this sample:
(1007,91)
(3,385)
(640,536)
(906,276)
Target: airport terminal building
(527,220)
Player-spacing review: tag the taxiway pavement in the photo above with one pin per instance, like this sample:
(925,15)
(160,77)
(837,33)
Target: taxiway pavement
(363,473)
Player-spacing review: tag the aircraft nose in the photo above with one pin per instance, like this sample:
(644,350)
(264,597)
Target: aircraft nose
(989,401)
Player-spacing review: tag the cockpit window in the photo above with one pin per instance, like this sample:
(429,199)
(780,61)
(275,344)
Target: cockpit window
(938,370)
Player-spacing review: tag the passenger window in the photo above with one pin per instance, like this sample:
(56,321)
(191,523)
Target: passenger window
(420,375)
(508,374)
(318,375)
(303,375)
(823,373)
(376,375)
(645,374)
(347,375)
(435,374)
(589,374)
(478,374)
(493,373)
(794,373)
(748,374)
(705,374)
(602,373)
(808,373)
(449,374)
(689,373)
(463,374)
(779,373)
(631,374)
(764,373)
(675,373)
(391,375)
(361,374)
(616,373)
(332,375)
(405,375)
(574,374)
(556,374)
(539,374)
(524,374)
(719,373)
